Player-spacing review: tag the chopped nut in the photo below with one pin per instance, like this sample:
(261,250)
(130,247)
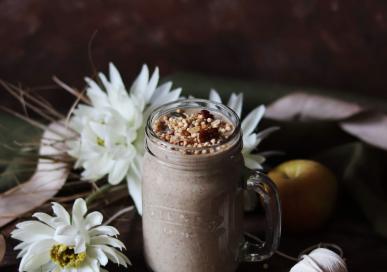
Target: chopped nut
(215,123)
(177,114)
(193,130)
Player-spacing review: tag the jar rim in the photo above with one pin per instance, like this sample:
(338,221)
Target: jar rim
(200,104)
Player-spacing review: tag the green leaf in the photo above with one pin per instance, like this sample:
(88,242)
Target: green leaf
(361,171)
(14,166)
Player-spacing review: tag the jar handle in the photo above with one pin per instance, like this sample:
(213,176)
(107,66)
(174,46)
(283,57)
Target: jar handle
(267,190)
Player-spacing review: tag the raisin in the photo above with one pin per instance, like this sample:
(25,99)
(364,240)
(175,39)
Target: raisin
(206,114)
(161,126)
(190,142)
(185,133)
(208,134)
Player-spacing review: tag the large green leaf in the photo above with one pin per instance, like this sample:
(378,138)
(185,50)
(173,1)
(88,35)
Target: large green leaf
(362,172)
(16,159)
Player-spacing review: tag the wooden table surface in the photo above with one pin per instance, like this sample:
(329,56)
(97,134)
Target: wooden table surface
(363,250)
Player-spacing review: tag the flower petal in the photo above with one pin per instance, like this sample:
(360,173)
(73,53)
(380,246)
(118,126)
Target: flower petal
(50,267)
(119,99)
(37,255)
(134,184)
(106,240)
(30,231)
(97,168)
(93,219)
(119,171)
(266,132)
(103,230)
(235,103)
(114,255)
(249,143)
(65,234)
(115,77)
(61,212)
(32,262)
(140,83)
(161,91)
(169,97)
(214,96)
(152,84)
(97,97)
(97,253)
(23,250)
(22,245)
(134,187)
(79,210)
(88,265)
(80,244)
(251,121)
(45,218)
(253,161)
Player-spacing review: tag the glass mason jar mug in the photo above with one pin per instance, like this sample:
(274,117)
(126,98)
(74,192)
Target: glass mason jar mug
(193,203)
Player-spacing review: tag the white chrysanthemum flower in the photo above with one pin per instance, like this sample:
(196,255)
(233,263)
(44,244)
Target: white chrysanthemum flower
(251,140)
(64,243)
(105,146)
(112,128)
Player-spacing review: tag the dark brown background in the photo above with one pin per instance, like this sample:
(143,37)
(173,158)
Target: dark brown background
(320,43)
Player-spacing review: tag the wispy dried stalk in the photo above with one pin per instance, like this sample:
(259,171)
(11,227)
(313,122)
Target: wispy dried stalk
(72,91)
(39,105)
(118,214)
(25,118)
(72,108)
(69,198)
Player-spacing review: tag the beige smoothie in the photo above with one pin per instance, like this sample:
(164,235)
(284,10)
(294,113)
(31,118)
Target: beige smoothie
(192,199)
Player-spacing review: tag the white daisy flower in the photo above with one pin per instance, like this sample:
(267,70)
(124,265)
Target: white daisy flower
(64,243)
(112,128)
(251,140)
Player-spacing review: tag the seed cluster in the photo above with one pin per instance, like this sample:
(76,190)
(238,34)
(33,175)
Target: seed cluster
(193,129)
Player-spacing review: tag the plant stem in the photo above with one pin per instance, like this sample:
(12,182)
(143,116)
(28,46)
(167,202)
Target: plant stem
(94,195)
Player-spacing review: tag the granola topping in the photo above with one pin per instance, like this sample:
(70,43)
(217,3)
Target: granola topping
(194,129)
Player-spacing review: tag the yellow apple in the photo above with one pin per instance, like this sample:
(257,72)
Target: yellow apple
(308,192)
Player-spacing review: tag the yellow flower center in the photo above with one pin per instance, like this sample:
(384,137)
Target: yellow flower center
(65,256)
(100,141)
